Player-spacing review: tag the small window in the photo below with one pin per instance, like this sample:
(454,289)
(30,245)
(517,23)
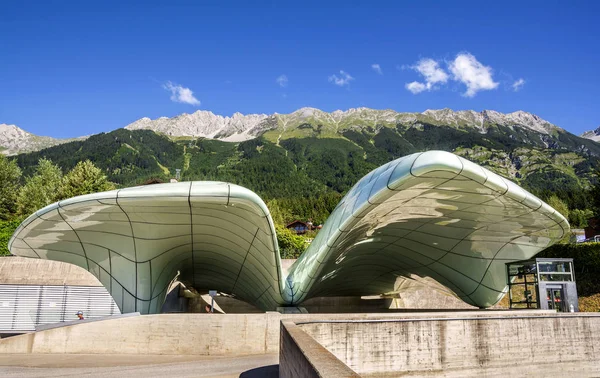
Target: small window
(556,277)
(555,266)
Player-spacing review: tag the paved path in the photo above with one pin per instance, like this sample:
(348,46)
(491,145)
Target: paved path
(97,366)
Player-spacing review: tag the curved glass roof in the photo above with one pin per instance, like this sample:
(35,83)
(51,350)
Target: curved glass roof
(430,215)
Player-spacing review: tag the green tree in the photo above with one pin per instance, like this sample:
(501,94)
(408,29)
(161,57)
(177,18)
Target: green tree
(290,244)
(10,176)
(558,205)
(579,218)
(278,212)
(595,195)
(41,189)
(85,178)
(7,228)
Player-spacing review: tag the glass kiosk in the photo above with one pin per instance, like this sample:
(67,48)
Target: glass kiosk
(542,283)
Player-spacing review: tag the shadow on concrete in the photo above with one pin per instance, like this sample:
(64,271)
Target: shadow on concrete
(271,371)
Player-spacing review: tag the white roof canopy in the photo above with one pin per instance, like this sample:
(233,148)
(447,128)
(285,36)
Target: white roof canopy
(430,215)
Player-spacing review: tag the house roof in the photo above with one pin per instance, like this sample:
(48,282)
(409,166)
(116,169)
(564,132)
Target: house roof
(296,221)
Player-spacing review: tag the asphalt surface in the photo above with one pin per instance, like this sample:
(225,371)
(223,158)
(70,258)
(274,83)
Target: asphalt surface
(71,365)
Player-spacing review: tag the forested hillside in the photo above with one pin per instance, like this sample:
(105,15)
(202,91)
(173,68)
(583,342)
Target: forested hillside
(310,165)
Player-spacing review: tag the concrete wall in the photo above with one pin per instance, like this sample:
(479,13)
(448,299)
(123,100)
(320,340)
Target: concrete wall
(334,305)
(25,271)
(533,346)
(301,356)
(188,334)
(195,334)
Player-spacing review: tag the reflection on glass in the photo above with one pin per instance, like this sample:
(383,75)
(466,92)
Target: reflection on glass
(556,277)
(555,270)
(555,266)
(554,298)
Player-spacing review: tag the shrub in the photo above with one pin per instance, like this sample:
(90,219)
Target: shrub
(290,245)
(7,228)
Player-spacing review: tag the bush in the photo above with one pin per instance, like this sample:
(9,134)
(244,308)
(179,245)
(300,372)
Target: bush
(590,304)
(7,228)
(291,245)
(579,218)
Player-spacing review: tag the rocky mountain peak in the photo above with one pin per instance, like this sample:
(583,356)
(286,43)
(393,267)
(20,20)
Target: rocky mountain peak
(477,119)
(14,140)
(592,134)
(203,123)
(240,127)
(439,112)
(6,130)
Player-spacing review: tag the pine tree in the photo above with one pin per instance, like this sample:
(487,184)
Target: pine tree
(85,178)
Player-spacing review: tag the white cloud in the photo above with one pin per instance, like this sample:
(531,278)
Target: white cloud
(282,80)
(517,85)
(416,87)
(431,72)
(181,94)
(377,68)
(469,71)
(344,79)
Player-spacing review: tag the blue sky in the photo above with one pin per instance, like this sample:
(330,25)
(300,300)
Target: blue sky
(70,69)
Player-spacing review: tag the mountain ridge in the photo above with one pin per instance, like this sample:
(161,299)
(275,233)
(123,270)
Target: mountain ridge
(308,122)
(14,140)
(240,127)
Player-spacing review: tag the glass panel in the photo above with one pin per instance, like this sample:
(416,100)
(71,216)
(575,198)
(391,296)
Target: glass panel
(556,277)
(555,299)
(555,266)
(557,296)
(520,270)
(549,299)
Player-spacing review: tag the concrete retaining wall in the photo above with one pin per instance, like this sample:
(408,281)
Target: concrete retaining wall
(187,334)
(301,356)
(533,346)
(27,271)
(197,334)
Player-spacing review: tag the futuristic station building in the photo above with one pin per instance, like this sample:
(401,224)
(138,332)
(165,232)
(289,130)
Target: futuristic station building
(430,215)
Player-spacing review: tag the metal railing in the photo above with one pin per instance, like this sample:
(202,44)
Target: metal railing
(23,307)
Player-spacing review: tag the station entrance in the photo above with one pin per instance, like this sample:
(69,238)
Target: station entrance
(547,284)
